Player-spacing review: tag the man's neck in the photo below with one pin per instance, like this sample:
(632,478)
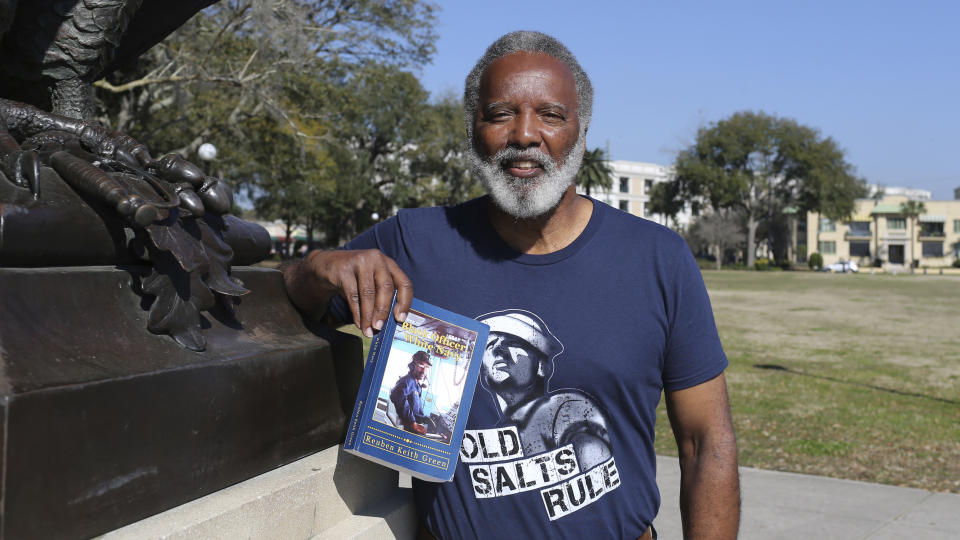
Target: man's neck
(548,233)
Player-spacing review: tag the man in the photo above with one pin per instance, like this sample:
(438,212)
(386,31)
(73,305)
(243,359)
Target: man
(406,394)
(622,294)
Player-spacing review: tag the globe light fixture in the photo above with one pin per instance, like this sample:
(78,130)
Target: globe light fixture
(207,152)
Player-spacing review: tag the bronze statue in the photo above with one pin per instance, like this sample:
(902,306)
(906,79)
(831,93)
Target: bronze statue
(169,212)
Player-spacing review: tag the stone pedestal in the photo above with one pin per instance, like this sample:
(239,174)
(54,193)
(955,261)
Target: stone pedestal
(104,424)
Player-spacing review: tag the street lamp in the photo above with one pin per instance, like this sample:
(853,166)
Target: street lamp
(207,153)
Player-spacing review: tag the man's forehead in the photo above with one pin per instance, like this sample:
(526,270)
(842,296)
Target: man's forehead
(533,72)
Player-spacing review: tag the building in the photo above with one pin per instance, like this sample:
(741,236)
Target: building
(632,184)
(910,193)
(878,229)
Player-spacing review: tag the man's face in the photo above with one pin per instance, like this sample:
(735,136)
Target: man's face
(420,370)
(509,361)
(527,146)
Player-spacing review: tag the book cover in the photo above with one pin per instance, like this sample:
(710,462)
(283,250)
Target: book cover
(416,391)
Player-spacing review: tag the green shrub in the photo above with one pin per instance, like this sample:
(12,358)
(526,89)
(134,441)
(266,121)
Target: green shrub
(762,264)
(956,263)
(785,264)
(816,261)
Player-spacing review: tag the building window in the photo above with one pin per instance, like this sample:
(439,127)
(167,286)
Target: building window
(897,223)
(827,247)
(860,228)
(859,249)
(931,229)
(932,249)
(827,225)
(624,185)
(956,225)
(646,211)
(624,205)
(647,186)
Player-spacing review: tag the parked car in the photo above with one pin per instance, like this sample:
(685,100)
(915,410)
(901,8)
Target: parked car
(842,267)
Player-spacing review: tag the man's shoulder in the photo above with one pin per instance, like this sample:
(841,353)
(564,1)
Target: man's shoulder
(434,215)
(625,224)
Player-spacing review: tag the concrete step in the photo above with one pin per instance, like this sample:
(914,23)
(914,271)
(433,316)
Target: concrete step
(330,494)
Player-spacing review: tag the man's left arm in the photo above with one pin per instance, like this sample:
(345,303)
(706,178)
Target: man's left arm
(710,483)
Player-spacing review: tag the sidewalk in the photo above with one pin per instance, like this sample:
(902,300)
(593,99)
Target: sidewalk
(785,505)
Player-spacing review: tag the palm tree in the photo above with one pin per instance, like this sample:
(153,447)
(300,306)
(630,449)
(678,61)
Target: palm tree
(594,171)
(912,210)
(877,196)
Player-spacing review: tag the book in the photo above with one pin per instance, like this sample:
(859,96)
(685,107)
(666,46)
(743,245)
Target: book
(415,394)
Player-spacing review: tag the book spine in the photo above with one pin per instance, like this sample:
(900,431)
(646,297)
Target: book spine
(360,408)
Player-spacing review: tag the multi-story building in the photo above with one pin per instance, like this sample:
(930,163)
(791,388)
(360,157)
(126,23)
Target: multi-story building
(879,229)
(632,183)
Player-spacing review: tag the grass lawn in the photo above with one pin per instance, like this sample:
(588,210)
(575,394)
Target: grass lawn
(850,376)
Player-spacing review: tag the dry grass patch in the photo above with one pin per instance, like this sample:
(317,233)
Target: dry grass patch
(851,376)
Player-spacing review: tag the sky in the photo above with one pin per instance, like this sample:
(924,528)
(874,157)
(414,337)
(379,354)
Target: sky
(882,78)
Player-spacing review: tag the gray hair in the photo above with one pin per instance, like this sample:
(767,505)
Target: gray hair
(531,42)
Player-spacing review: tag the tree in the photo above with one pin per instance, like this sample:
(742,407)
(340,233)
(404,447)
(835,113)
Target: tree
(912,210)
(877,196)
(594,172)
(665,200)
(717,231)
(759,164)
(278,87)
(440,170)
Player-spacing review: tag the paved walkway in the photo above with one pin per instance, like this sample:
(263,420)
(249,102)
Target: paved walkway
(779,505)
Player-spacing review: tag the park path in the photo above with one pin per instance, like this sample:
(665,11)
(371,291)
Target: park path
(778,505)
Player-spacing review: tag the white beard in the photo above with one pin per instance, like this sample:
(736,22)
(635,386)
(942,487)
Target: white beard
(526,198)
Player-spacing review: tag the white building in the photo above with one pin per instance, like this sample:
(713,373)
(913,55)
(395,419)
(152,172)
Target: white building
(632,183)
(910,193)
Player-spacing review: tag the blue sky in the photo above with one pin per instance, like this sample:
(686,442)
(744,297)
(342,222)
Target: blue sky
(882,78)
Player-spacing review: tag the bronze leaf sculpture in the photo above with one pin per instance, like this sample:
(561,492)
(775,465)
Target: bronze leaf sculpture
(165,211)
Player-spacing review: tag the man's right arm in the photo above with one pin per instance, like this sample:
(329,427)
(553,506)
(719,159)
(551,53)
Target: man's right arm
(400,396)
(366,278)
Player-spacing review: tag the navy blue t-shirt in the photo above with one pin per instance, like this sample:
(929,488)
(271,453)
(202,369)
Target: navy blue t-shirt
(559,440)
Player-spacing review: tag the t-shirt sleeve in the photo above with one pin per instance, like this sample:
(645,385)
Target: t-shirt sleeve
(694,353)
(384,236)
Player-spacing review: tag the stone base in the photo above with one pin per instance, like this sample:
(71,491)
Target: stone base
(330,494)
(104,424)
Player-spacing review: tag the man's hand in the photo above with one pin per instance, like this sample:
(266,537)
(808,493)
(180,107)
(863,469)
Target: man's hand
(365,278)
(710,482)
(420,429)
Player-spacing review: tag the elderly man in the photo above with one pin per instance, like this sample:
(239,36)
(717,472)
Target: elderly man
(622,295)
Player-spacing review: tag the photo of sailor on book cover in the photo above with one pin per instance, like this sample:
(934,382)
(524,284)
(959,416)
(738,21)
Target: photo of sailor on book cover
(424,377)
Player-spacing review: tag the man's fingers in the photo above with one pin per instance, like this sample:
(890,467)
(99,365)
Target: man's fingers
(365,278)
(366,293)
(404,290)
(384,295)
(348,284)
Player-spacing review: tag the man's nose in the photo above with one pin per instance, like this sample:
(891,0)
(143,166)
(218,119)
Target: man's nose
(526,130)
(501,352)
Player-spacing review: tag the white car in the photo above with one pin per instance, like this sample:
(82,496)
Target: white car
(842,267)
